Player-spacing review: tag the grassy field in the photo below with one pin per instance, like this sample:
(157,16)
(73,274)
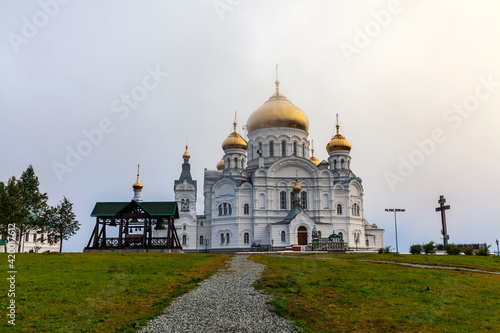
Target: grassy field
(357,296)
(98,292)
(491,263)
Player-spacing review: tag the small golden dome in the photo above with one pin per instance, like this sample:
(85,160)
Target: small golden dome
(338,142)
(296,187)
(234,140)
(278,111)
(137,185)
(186,154)
(313,158)
(221,165)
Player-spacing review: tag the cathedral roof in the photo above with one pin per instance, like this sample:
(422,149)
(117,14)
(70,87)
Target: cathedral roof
(338,142)
(234,140)
(221,164)
(278,111)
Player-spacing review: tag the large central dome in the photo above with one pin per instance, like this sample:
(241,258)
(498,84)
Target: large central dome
(278,111)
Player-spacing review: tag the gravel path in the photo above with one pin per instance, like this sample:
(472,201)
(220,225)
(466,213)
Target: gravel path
(225,302)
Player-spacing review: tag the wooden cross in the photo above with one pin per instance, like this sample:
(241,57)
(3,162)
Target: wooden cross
(442,209)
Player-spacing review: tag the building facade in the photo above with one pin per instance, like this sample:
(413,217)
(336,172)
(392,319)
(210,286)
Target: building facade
(33,241)
(269,190)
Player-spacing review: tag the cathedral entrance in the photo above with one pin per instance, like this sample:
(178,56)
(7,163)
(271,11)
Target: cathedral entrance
(302,236)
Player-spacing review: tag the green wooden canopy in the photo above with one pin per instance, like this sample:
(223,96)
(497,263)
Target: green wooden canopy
(158,208)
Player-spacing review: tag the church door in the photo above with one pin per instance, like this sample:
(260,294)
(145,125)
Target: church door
(302,236)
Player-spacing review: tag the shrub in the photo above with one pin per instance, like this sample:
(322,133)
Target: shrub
(483,251)
(416,249)
(384,250)
(452,249)
(468,251)
(430,247)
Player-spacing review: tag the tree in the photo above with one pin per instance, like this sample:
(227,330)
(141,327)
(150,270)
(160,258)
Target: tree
(33,203)
(22,204)
(416,249)
(430,247)
(452,249)
(61,223)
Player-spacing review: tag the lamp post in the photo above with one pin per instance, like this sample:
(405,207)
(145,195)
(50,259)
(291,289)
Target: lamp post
(498,252)
(395,224)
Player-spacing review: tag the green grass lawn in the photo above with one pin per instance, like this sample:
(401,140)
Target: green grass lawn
(98,292)
(354,296)
(491,263)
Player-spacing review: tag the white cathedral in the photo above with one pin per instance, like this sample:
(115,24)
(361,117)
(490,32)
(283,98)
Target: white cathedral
(269,191)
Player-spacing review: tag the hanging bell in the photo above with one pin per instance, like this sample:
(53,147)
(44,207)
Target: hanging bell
(160,225)
(131,230)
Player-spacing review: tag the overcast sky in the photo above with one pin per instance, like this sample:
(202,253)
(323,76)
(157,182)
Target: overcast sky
(416,85)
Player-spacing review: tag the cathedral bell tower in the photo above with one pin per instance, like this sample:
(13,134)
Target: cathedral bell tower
(339,148)
(234,160)
(185,187)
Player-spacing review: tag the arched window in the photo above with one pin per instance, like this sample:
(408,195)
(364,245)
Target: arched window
(341,236)
(335,165)
(271,149)
(184,239)
(283,148)
(262,200)
(183,227)
(243,163)
(236,162)
(282,200)
(341,164)
(201,223)
(292,196)
(283,236)
(303,150)
(201,240)
(367,243)
(260,149)
(228,163)
(227,238)
(246,238)
(339,209)
(246,209)
(303,199)
(185,205)
(251,151)
(222,238)
(355,209)
(225,209)
(295,149)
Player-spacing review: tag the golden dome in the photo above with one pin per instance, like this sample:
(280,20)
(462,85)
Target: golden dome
(234,140)
(296,187)
(338,142)
(186,154)
(221,165)
(137,185)
(278,111)
(313,158)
